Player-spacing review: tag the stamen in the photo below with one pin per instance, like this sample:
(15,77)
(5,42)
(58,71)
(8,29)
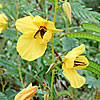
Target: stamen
(78,63)
(42,31)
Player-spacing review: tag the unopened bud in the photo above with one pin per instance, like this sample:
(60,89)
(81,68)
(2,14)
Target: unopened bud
(51,67)
(46,96)
(67,10)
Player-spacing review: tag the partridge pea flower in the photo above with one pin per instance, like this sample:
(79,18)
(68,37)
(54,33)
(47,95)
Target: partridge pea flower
(3,22)
(36,33)
(72,62)
(27,93)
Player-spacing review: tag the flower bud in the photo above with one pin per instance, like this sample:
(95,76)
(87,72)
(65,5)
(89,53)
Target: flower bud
(51,67)
(46,96)
(67,10)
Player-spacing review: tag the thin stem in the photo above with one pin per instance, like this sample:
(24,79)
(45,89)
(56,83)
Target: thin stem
(1,81)
(19,68)
(67,26)
(75,93)
(20,75)
(64,22)
(57,55)
(17,11)
(72,93)
(52,43)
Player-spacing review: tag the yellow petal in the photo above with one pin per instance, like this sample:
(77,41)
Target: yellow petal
(0,5)
(27,93)
(68,63)
(3,22)
(30,48)
(47,37)
(82,61)
(1,29)
(25,25)
(75,79)
(76,51)
(38,21)
(50,26)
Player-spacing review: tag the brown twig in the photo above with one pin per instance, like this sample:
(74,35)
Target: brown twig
(40,79)
(57,55)
(39,5)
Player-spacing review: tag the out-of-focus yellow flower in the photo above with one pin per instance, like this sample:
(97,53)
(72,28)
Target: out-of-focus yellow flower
(72,62)
(36,33)
(27,93)
(0,5)
(3,22)
(67,10)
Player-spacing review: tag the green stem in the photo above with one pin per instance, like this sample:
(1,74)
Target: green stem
(19,68)
(20,75)
(67,26)
(1,81)
(75,93)
(72,93)
(52,43)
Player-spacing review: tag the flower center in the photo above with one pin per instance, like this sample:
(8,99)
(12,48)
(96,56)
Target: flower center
(78,63)
(42,31)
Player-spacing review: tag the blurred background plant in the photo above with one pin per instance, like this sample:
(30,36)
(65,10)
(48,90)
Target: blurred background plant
(83,11)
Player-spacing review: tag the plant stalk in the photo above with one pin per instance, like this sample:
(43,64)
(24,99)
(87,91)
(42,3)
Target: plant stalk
(20,74)
(52,43)
(19,67)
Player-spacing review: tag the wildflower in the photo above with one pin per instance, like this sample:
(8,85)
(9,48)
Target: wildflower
(67,10)
(36,33)
(3,22)
(27,93)
(0,5)
(72,62)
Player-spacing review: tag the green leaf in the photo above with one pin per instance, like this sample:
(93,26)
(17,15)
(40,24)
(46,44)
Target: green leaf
(3,97)
(93,67)
(92,82)
(83,35)
(64,92)
(7,63)
(68,44)
(10,93)
(91,27)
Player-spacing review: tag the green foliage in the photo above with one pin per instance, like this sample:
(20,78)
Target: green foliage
(2,96)
(83,35)
(92,82)
(91,27)
(68,44)
(9,58)
(83,14)
(93,67)
(64,92)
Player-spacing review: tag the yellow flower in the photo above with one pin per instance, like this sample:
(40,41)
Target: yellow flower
(36,33)
(72,62)
(3,22)
(27,93)
(0,5)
